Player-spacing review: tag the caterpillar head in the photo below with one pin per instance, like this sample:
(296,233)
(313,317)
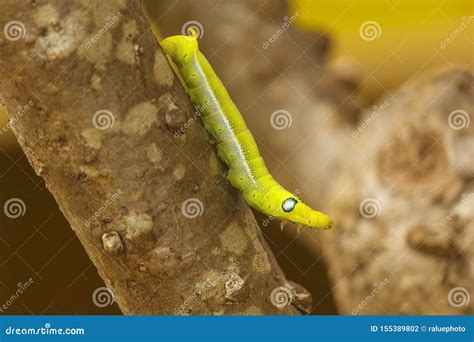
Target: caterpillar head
(292,209)
(181,49)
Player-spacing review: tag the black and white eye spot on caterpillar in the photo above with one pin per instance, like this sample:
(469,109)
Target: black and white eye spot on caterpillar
(288,205)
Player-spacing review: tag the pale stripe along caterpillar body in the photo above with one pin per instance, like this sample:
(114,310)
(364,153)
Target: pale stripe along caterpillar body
(236,146)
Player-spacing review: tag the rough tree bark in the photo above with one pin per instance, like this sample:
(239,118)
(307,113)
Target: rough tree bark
(100,130)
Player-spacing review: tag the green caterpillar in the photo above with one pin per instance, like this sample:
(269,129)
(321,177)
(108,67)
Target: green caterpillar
(236,146)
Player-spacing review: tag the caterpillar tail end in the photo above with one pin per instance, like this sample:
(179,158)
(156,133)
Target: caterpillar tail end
(180,48)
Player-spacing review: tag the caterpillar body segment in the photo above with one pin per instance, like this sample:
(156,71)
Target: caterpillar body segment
(236,146)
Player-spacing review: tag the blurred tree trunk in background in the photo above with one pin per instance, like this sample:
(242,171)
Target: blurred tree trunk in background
(404,242)
(94,105)
(402,153)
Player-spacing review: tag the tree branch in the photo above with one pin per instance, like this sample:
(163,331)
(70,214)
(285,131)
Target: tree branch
(100,112)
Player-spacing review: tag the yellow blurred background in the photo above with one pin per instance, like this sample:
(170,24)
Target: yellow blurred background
(407,37)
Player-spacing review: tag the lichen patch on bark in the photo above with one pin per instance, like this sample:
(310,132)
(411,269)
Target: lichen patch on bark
(159,261)
(63,38)
(91,172)
(179,171)
(46,15)
(93,138)
(98,53)
(260,263)
(140,118)
(138,225)
(233,239)
(154,153)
